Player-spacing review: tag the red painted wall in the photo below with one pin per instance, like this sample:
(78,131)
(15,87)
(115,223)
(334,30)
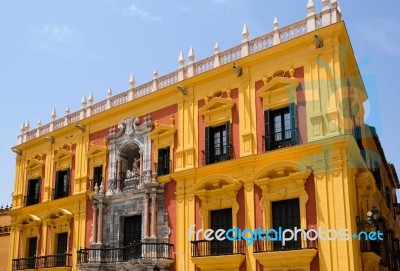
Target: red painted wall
(89,222)
(170,205)
(98,137)
(241,213)
(258,213)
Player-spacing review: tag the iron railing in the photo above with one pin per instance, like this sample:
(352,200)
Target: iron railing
(300,242)
(281,139)
(48,261)
(204,248)
(32,199)
(123,254)
(217,154)
(163,168)
(61,192)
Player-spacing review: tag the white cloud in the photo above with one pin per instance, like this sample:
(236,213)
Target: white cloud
(61,40)
(134,11)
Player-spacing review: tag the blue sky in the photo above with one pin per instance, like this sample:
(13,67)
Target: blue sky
(54,52)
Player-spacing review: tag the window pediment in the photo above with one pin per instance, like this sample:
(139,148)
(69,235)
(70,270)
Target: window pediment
(162,130)
(35,163)
(216,104)
(63,153)
(96,150)
(278,92)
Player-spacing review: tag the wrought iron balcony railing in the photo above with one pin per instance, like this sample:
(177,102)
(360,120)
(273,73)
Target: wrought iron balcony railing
(164,168)
(48,261)
(204,248)
(280,140)
(32,199)
(217,154)
(123,254)
(62,192)
(269,245)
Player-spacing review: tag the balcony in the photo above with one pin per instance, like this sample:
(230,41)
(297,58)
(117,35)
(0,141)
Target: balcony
(49,261)
(280,139)
(149,251)
(218,255)
(32,199)
(217,154)
(61,192)
(164,168)
(274,254)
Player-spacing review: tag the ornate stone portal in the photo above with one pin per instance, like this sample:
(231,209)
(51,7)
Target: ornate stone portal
(132,191)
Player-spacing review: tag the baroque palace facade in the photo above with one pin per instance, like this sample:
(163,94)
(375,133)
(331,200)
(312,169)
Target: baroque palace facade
(269,134)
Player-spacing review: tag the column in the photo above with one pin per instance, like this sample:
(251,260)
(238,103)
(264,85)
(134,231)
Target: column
(146,216)
(44,238)
(119,170)
(100,225)
(93,238)
(153,216)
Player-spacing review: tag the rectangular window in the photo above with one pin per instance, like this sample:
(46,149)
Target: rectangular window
(33,193)
(286,215)
(62,247)
(32,246)
(164,163)
(218,144)
(221,219)
(62,184)
(280,128)
(97,176)
(132,237)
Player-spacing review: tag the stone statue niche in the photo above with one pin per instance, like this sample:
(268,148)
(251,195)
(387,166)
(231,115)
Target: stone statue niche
(130,170)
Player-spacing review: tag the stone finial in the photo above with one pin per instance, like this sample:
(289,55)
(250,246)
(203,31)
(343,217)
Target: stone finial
(67,110)
(245,33)
(132,81)
(181,60)
(23,127)
(101,188)
(90,98)
(310,8)
(39,123)
(172,120)
(27,125)
(109,93)
(325,5)
(84,102)
(53,114)
(276,24)
(216,48)
(191,55)
(155,74)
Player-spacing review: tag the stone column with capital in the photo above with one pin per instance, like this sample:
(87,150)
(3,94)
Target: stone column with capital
(93,238)
(146,216)
(100,225)
(153,233)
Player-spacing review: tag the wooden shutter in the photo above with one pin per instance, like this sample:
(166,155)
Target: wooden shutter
(37,190)
(293,123)
(268,130)
(228,139)
(208,145)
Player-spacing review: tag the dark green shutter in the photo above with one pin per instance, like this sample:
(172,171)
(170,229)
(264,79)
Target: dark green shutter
(208,145)
(268,130)
(228,139)
(37,190)
(293,123)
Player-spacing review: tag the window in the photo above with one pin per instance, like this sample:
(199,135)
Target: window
(132,237)
(164,163)
(388,197)
(221,219)
(33,193)
(280,128)
(218,144)
(286,214)
(62,184)
(97,176)
(32,246)
(62,247)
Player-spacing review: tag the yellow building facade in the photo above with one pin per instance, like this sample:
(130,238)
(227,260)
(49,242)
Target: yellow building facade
(269,134)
